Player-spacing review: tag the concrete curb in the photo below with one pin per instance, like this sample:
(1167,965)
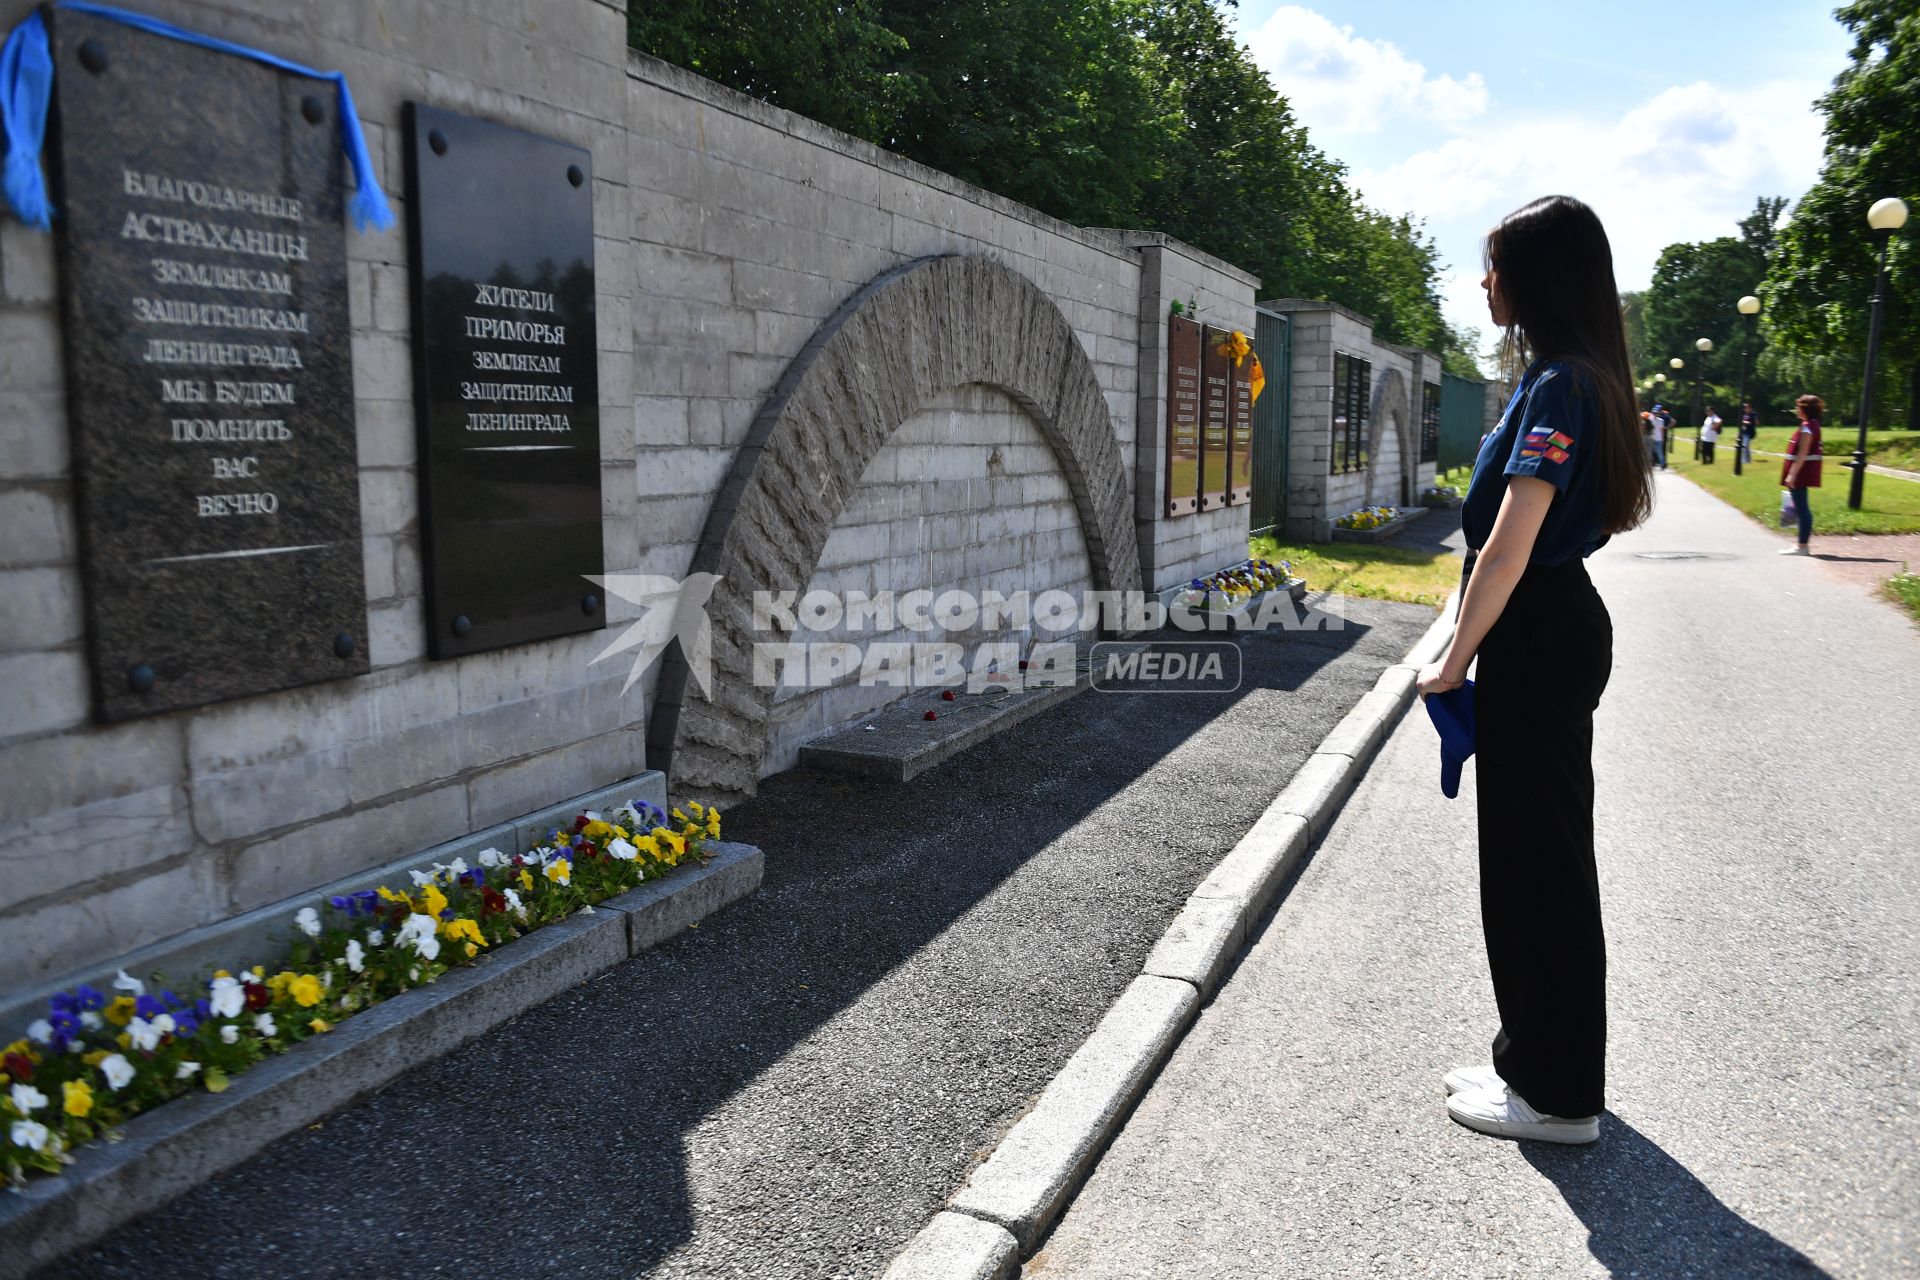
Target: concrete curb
(1044,1159)
(177,1146)
(956,1247)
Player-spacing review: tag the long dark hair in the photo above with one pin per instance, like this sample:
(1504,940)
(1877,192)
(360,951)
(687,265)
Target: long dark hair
(1555,276)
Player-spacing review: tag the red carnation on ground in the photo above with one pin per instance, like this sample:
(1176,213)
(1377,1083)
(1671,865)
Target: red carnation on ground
(932,716)
(946,695)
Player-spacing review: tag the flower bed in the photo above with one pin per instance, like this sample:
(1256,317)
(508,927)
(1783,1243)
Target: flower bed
(94,1062)
(1368,518)
(1440,496)
(1373,524)
(1228,589)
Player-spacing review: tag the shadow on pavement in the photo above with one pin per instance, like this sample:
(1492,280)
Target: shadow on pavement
(565,1142)
(1646,1215)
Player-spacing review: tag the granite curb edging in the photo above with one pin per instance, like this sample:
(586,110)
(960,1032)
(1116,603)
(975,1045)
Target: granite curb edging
(1034,1171)
(169,1150)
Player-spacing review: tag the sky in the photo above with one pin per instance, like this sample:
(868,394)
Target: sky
(1668,118)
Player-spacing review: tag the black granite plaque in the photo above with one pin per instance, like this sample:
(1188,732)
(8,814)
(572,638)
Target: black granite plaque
(209,369)
(506,375)
(1183,416)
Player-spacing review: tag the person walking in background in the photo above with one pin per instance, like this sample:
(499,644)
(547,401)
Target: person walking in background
(1709,435)
(1562,473)
(1660,424)
(1749,424)
(1801,470)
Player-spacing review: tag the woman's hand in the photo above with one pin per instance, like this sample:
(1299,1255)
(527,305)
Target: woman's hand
(1433,678)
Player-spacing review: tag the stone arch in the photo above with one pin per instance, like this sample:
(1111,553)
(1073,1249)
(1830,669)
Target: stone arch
(912,333)
(1390,401)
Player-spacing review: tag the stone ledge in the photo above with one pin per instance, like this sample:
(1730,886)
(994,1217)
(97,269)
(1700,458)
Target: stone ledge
(903,744)
(1197,946)
(180,1144)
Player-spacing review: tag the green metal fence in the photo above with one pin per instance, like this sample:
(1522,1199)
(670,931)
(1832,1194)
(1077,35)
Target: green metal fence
(1463,403)
(1272,419)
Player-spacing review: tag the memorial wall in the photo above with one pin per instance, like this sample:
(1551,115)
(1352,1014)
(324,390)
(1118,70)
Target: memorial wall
(303,524)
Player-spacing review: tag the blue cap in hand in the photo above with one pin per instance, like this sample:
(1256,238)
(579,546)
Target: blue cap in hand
(1452,714)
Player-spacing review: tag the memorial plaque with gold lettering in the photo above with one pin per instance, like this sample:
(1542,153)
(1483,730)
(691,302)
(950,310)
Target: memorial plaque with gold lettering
(209,370)
(1216,372)
(1240,413)
(1183,416)
(506,379)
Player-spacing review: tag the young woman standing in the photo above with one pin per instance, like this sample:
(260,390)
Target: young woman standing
(1801,471)
(1564,471)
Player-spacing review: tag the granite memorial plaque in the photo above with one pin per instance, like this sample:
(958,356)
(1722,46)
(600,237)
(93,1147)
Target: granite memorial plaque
(1216,372)
(209,371)
(1240,442)
(1183,416)
(506,377)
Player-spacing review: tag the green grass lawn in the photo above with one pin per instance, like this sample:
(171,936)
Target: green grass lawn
(1897,449)
(1376,571)
(1904,588)
(1890,505)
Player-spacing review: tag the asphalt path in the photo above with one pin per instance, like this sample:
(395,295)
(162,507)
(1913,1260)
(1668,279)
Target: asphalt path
(794,1088)
(1758,755)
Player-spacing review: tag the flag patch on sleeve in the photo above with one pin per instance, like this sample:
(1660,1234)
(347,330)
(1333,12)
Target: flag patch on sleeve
(1556,454)
(1562,439)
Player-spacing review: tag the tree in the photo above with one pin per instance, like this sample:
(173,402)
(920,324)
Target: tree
(1817,290)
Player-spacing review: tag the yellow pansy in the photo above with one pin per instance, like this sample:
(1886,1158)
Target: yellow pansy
(433,902)
(597,830)
(713,823)
(672,839)
(464,928)
(560,871)
(647,844)
(526,878)
(679,816)
(95,1058)
(119,1011)
(280,981)
(320,1024)
(78,1097)
(305,990)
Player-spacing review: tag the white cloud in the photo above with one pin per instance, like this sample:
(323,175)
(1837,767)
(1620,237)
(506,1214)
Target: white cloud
(1681,165)
(1345,83)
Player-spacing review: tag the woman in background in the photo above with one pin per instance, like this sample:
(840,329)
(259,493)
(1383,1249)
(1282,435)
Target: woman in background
(1801,471)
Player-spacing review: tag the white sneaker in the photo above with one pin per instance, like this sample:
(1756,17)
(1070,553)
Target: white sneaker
(1462,1079)
(1505,1114)
(1794,550)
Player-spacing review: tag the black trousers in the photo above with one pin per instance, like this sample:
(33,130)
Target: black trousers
(1542,669)
(1706,452)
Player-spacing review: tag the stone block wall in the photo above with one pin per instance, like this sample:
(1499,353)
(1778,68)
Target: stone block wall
(1316,496)
(726,233)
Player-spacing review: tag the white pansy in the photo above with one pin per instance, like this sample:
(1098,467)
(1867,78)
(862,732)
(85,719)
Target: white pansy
(491,857)
(186,1070)
(264,1024)
(594,817)
(356,958)
(91,1020)
(376,937)
(30,1134)
(309,921)
(40,1031)
(229,1034)
(420,932)
(226,998)
(457,868)
(122,982)
(117,1070)
(27,1099)
(421,879)
(622,850)
(513,900)
(165,1024)
(145,1036)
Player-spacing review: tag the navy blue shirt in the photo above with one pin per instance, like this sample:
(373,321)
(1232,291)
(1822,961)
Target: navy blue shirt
(1551,430)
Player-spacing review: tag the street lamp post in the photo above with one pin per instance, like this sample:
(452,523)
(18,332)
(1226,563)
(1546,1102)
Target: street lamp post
(1885,217)
(1703,346)
(1749,307)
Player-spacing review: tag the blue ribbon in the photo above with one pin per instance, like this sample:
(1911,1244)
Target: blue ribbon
(26,83)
